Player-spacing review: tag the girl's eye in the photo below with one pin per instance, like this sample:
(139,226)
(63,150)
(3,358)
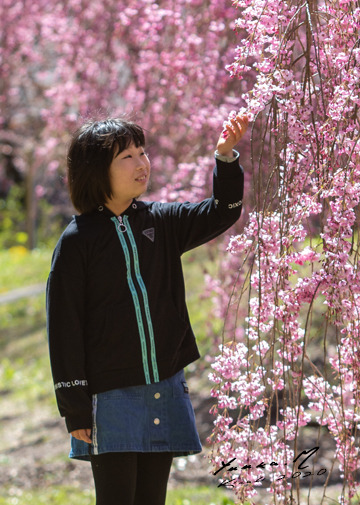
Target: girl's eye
(143,153)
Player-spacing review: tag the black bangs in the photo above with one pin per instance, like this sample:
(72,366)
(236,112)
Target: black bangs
(114,135)
(121,140)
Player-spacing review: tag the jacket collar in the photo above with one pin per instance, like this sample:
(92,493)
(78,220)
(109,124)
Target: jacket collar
(133,207)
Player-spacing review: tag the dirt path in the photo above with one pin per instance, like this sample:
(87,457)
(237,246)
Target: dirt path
(16,294)
(35,445)
(34,452)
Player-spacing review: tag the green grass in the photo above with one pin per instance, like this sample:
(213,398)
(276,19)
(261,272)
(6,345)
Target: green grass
(48,496)
(197,496)
(74,496)
(20,267)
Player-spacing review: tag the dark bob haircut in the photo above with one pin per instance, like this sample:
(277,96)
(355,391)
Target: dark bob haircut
(93,147)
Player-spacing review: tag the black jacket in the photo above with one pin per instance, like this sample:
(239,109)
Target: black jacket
(116,308)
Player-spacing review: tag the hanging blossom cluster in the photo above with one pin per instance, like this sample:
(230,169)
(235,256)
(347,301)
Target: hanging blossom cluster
(296,359)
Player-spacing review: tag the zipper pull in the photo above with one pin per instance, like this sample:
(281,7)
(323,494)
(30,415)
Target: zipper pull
(121,227)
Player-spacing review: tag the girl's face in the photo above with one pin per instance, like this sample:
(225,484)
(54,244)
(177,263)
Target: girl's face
(129,174)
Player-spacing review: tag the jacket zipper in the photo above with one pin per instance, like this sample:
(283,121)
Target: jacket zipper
(134,285)
(144,297)
(121,226)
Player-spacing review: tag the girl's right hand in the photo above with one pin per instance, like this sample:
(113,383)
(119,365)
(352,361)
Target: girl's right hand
(84,435)
(232,134)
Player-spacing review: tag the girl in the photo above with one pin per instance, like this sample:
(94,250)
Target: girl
(118,326)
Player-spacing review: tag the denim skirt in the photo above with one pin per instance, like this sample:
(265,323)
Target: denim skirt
(156,417)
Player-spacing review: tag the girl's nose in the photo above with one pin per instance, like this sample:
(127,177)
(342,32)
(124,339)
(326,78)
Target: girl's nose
(142,161)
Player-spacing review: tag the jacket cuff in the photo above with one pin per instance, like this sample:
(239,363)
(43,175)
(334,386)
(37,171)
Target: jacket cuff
(227,169)
(78,423)
(227,159)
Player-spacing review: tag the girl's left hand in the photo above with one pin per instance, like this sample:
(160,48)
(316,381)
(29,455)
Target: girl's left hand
(232,134)
(84,435)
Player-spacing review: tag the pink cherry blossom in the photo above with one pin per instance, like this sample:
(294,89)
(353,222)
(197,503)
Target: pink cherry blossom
(295,289)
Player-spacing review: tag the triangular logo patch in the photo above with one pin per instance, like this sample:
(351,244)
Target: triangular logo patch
(150,233)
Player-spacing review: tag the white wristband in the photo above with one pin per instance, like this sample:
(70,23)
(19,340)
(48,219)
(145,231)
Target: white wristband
(227,159)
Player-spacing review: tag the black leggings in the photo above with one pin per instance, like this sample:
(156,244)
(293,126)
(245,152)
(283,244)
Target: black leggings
(131,478)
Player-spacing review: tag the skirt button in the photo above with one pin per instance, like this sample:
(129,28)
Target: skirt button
(157,396)
(156,420)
